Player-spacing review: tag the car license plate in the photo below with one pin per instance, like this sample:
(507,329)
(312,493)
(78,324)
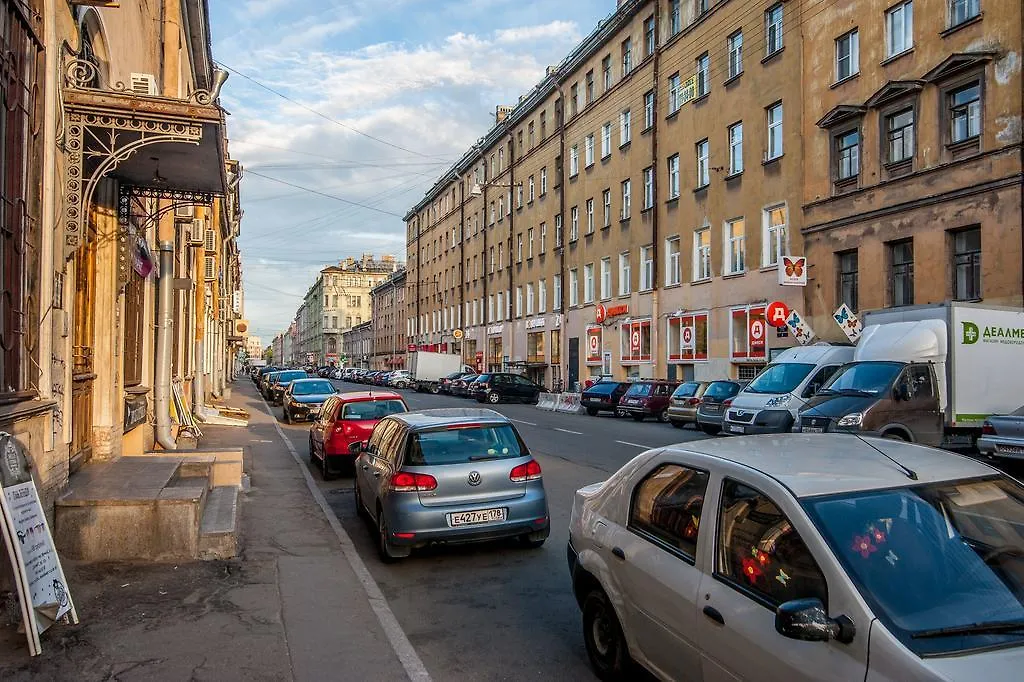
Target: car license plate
(733,428)
(470,518)
(1010,450)
(812,429)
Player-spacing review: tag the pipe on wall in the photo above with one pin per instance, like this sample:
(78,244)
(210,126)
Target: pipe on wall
(164,329)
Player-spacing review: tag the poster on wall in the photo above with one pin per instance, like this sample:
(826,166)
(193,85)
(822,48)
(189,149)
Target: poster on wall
(43,589)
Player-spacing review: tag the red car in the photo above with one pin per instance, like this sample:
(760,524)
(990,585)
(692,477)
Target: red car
(346,419)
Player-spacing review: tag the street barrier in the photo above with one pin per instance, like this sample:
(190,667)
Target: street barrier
(547,401)
(570,403)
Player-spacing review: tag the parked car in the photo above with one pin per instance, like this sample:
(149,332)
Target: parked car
(450,475)
(648,399)
(603,396)
(460,386)
(280,382)
(1003,435)
(348,418)
(682,406)
(445,384)
(400,378)
(261,376)
(475,384)
(264,382)
(716,400)
(815,550)
(303,399)
(501,386)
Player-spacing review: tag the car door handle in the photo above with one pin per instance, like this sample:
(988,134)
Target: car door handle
(376,474)
(618,553)
(713,613)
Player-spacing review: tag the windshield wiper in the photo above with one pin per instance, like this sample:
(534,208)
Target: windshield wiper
(852,391)
(992,627)
(483,458)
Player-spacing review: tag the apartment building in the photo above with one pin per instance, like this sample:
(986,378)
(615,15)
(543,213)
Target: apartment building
(913,165)
(357,345)
(387,302)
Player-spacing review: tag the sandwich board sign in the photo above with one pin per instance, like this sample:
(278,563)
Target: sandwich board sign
(43,590)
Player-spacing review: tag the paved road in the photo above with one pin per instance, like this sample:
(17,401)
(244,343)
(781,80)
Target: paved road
(498,611)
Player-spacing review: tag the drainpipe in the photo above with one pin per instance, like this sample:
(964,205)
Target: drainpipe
(656,274)
(198,399)
(165,322)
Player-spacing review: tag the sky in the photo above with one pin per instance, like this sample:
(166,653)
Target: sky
(344,113)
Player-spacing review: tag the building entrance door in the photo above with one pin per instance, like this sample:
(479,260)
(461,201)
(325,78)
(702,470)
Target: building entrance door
(82,369)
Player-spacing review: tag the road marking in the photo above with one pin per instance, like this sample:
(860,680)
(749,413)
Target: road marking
(400,643)
(520,421)
(635,445)
(575,433)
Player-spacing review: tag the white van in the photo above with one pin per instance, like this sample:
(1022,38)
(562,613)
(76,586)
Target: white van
(769,403)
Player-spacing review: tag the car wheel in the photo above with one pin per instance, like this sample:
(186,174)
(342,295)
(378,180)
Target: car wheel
(325,471)
(638,417)
(592,411)
(677,424)
(435,389)
(387,551)
(663,416)
(710,429)
(892,435)
(493,398)
(602,635)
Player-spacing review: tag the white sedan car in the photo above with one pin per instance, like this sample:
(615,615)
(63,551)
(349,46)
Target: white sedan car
(792,556)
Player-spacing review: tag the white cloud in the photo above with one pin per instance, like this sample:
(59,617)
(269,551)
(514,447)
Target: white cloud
(554,30)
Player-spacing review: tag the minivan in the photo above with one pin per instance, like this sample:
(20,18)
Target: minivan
(770,403)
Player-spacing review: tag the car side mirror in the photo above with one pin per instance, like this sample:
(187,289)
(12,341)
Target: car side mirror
(806,620)
(356,448)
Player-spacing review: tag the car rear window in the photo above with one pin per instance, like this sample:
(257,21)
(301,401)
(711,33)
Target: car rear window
(464,443)
(603,388)
(687,390)
(721,389)
(284,377)
(640,389)
(365,410)
(313,388)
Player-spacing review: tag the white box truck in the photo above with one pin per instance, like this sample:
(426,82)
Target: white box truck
(427,369)
(926,374)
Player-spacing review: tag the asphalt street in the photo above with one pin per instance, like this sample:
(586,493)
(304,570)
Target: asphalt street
(498,611)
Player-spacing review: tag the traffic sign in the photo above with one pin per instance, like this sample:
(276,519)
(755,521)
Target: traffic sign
(777,313)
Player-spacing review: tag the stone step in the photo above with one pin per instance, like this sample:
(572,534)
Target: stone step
(218,528)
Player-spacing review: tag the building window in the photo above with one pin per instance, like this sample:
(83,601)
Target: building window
(635,342)
(703,69)
(646,268)
(574,283)
(899,28)
(519,247)
(542,296)
(774,132)
(606,140)
(963,10)
(675,17)
(532,136)
(625,128)
(673,177)
(775,239)
(735,45)
(847,155)
(736,149)
(543,181)
(648,187)
(588,283)
(543,237)
(588,150)
(625,274)
(532,190)
(703,171)
(574,223)
(606,199)
(965,113)
(606,72)
(967,264)
(556,301)
(847,55)
(773,30)
(648,109)
(687,338)
(529,243)
(673,267)
(847,289)
(589,88)
(558,231)
(627,57)
(901,272)
(899,131)
(735,246)
(606,278)
(701,255)
(745,346)
(650,40)
(590,216)
(574,161)
(675,93)
(519,301)
(574,103)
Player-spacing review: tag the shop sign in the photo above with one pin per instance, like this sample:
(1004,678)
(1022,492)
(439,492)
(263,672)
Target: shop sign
(848,322)
(802,332)
(793,271)
(634,341)
(594,345)
(757,332)
(134,411)
(686,337)
(776,313)
(536,323)
(495,329)
(603,313)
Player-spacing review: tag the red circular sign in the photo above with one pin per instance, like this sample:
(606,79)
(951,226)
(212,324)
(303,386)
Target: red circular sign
(600,313)
(777,313)
(634,339)
(687,335)
(757,330)
(594,345)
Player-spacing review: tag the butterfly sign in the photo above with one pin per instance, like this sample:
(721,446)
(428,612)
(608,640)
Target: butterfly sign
(848,322)
(793,271)
(802,331)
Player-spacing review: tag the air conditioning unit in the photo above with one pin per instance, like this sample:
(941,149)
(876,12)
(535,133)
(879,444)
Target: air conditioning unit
(195,233)
(184,211)
(211,240)
(143,84)
(210,268)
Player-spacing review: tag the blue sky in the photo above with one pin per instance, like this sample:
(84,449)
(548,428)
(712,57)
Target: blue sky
(421,76)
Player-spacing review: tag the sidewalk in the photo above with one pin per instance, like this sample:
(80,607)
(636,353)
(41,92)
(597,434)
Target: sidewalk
(290,607)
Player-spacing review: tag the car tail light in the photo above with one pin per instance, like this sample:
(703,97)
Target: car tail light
(342,429)
(526,472)
(407,482)
(987,429)
(693,401)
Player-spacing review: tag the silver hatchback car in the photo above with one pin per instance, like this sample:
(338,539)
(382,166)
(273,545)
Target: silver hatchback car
(449,476)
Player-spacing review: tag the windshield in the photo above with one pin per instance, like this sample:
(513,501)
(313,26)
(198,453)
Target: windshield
(366,410)
(720,390)
(602,388)
(312,388)
(464,443)
(942,555)
(863,377)
(687,390)
(288,377)
(781,378)
(638,389)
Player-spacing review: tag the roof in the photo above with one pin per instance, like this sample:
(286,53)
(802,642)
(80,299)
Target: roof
(447,416)
(825,464)
(356,396)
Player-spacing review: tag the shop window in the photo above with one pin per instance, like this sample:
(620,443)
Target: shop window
(595,344)
(748,333)
(635,342)
(688,338)
(556,346)
(535,347)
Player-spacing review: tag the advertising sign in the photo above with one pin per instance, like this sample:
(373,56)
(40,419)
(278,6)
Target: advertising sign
(757,332)
(458,334)
(987,346)
(848,322)
(793,271)
(802,332)
(634,341)
(776,313)
(688,90)
(594,345)
(686,337)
